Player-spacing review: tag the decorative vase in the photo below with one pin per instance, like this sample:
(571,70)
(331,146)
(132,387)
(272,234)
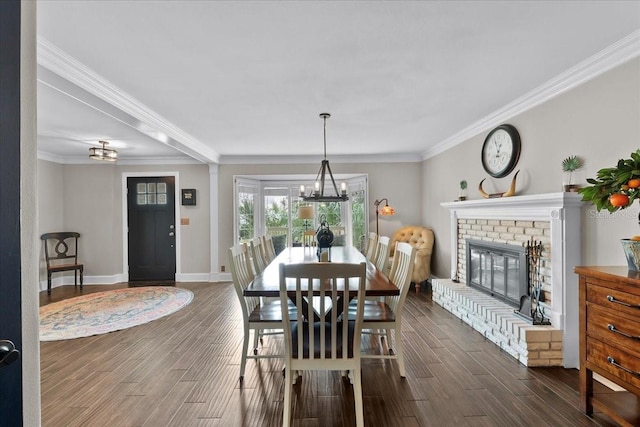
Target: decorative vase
(570,181)
(632,252)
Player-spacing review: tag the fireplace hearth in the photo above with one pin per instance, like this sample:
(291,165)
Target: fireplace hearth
(551,219)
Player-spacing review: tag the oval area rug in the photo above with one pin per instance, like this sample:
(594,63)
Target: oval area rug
(108,311)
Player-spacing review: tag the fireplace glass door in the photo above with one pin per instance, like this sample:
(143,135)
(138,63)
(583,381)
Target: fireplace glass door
(498,269)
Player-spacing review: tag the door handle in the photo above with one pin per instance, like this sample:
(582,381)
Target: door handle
(8,352)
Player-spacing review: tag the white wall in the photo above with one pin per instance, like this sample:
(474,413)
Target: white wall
(599,121)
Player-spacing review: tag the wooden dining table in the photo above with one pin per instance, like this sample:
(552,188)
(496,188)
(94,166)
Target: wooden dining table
(267,283)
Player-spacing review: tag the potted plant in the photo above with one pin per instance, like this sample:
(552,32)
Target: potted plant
(463,190)
(617,188)
(569,166)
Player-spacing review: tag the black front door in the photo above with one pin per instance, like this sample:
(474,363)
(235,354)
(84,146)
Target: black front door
(10,271)
(152,228)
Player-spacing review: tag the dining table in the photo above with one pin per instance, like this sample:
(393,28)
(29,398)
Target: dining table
(267,283)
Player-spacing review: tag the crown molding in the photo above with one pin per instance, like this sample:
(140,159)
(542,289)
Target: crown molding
(65,66)
(315,159)
(50,157)
(617,54)
(83,160)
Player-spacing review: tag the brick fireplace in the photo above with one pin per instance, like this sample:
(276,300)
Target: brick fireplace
(552,219)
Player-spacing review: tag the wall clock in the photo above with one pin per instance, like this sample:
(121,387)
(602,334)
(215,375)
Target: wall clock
(501,151)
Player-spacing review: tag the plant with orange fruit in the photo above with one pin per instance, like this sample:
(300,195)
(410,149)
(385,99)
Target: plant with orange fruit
(615,188)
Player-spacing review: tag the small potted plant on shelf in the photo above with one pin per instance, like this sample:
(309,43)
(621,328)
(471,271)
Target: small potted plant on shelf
(617,188)
(463,190)
(569,166)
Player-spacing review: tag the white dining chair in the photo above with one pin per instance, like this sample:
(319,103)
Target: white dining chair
(257,255)
(380,318)
(382,254)
(263,318)
(327,344)
(370,251)
(269,249)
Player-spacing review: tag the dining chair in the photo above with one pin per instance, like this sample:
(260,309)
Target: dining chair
(263,318)
(61,254)
(382,254)
(257,255)
(268,248)
(372,243)
(329,343)
(380,318)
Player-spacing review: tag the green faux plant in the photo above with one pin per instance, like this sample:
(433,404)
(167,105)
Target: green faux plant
(569,166)
(572,164)
(615,188)
(463,190)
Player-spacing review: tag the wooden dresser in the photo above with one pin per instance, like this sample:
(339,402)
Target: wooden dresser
(610,340)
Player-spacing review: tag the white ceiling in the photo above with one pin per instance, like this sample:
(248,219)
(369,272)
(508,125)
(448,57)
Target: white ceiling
(219,80)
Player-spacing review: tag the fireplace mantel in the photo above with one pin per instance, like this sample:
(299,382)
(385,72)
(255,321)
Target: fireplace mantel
(563,211)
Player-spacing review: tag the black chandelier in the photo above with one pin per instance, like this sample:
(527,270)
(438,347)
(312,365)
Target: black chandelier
(317,194)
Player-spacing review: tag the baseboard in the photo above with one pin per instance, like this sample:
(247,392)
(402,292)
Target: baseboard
(192,277)
(60,280)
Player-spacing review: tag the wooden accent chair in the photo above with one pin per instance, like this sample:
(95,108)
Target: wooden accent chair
(329,344)
(61,254)
(387,315)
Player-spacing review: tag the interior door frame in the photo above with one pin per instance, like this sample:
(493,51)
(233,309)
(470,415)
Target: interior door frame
(125,219)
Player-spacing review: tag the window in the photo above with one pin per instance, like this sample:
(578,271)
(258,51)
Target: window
(271,207)
(358,196)
(245,202)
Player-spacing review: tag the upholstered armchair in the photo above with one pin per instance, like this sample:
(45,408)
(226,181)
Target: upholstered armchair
(422,239)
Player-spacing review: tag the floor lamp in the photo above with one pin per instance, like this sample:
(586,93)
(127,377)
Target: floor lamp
(306,213)
(386,210)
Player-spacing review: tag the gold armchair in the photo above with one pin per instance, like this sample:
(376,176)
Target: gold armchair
(422,239)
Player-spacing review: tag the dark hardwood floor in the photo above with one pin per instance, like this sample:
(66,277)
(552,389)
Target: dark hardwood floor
(182,370)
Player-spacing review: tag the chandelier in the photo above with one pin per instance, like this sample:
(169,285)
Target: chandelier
(317,194)
(103,153)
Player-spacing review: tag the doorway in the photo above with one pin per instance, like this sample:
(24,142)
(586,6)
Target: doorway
(152,230)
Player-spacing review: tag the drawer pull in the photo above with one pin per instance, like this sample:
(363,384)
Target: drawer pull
(626,304)
(612,328)
(612,361)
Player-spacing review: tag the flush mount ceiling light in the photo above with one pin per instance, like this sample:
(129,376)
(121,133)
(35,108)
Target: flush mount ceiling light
(318,195)
(103,153)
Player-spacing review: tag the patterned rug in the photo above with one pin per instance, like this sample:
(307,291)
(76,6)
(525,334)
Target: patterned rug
(109,311)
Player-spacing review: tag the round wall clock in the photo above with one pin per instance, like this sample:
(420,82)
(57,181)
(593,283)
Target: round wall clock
(501,151)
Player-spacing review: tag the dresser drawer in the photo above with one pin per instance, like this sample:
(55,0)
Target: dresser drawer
(617,362)
(615,300)
(614,329)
